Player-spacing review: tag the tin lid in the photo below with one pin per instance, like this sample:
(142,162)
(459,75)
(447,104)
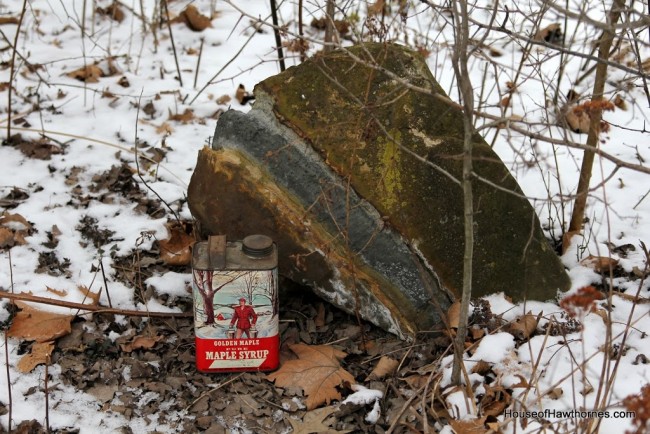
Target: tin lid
(257,246)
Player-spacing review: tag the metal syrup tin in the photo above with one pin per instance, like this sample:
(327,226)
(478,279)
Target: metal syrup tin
(235,292)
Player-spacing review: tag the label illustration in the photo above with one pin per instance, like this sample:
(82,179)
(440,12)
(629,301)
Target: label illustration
(236,319)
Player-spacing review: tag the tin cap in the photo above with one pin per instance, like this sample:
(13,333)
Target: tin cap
(257,246)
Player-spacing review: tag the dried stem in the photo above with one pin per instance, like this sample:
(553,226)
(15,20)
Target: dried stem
(276,33)
(92,308)
(12,70)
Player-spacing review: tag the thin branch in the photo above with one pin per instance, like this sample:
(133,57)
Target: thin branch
(92,308)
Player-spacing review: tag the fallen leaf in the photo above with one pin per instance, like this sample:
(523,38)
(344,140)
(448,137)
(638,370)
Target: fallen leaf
(88,74)
(165,129)
(59,292)
(40,353)
(224,99)
(385,366)
(242,95)
(186,117)
(477,333)
(6,238)
(473,426)
(481,367)
(494,401)
(177,249)
(102,392)
(317,371)
(38,325)
(193,19)
(94,296)
(600,264)
(314,422)
(523,383)
(140,342)
(112,11)
(524,326)
(555,393)
(578,120)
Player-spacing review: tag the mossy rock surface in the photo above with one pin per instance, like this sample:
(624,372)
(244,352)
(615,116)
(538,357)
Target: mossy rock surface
(372,129)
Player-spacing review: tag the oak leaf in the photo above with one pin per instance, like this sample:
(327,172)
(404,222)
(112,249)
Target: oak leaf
(37,325)
(40,353)
(317,371)
(94,296)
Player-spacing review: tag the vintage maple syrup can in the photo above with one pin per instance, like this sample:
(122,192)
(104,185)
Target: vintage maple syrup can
(235,291)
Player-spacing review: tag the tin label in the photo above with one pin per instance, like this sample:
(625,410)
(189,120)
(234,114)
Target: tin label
(236,320)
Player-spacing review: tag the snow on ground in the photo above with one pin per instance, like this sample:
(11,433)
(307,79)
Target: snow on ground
(96,124)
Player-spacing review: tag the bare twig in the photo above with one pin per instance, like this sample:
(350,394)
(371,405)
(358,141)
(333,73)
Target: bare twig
(276,33)
(13,67)
(171,37)
(92,308)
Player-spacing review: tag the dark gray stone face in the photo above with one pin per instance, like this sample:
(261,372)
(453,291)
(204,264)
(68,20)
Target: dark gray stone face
(324,165)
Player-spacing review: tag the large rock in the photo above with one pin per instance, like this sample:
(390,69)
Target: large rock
(329,163)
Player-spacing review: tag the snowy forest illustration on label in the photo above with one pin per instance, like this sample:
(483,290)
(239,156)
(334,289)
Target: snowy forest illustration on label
(235,304)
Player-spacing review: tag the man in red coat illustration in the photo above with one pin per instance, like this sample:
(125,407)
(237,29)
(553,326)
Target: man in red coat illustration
(245,317)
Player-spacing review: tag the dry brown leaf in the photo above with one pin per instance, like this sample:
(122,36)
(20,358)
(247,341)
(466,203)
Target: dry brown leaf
(242,95)
(477,333)
(317,371)
(495,400)
(524,326)
(6,238)
(88,74)
(523,383)
(224,99)
(40,353)
(94,296)
(113,11)
(416,381)
(186,117)
(177,249)
(314,422)
(7,218)
(377,8)
(555,393)
(193,19)
(474,426)
(482,367)
(37,325)
(600,264)
(453,315)
(59,292)
(385,366)
(140,342)
(578,120)
(165,129)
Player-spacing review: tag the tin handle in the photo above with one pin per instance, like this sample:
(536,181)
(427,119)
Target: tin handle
(217,252)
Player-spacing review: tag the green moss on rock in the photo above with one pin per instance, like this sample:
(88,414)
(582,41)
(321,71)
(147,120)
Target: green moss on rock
(367,125)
